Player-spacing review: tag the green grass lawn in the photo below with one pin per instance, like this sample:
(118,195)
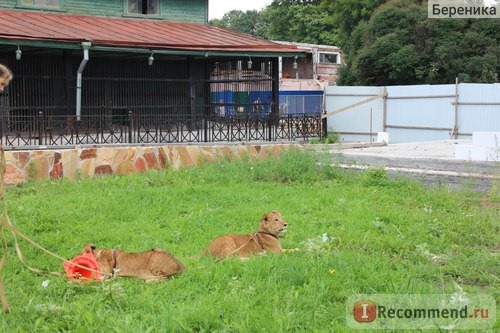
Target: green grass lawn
(356,234)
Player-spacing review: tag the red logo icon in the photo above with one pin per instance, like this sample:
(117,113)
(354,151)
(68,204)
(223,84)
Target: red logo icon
(365,311)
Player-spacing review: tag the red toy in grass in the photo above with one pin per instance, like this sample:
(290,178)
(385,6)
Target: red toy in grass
(80,273)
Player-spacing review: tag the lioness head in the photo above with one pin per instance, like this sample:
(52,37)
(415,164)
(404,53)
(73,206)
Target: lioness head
(103,257)
(273,223)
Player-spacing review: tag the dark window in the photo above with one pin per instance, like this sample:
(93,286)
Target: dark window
(328,58)
(146,7)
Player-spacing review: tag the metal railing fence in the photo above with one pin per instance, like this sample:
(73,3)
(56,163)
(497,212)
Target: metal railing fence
(133,127)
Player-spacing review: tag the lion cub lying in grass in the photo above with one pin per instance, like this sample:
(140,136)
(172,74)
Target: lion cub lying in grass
(265,239)
(152,266)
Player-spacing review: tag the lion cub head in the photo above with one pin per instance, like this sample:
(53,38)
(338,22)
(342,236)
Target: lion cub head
(273,223)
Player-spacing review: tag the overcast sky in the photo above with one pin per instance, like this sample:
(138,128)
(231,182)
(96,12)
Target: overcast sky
(217,8)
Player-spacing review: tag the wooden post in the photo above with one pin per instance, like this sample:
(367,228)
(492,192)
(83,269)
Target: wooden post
(3,168)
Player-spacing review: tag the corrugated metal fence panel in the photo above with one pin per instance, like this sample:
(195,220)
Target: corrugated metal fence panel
(355,124)
(474,112)
(400,135)
(414,113)
(420,113)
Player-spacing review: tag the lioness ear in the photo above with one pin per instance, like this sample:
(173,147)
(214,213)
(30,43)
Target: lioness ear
(88,248)
(265,218)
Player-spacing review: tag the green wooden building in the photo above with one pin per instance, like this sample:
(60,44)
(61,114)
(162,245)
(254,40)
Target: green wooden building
(136,71)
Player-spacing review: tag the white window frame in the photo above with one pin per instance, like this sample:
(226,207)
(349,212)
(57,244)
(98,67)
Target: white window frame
(335,53)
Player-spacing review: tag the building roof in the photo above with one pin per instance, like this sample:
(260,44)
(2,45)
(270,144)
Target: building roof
(68,31)
(308,47)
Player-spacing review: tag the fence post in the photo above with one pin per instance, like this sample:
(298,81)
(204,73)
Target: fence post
(205,127)
(324,125)
(130,125)
(40,127)
(270,127)
(455,122)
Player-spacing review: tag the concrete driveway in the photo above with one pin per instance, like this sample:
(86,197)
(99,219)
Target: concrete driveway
(432,162)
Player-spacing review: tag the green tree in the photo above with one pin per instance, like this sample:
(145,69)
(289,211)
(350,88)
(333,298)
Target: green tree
(304,21)
(249,22)
(398,44)
(300,21)
(384,41)
(346,15)
(465,49)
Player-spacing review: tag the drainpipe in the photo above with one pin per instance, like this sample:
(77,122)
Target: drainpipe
(85,47)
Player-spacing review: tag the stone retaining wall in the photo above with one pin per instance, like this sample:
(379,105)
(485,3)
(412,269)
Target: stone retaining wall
(23,165)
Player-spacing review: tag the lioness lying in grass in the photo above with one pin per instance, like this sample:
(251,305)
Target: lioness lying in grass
(154,265)
(265,239)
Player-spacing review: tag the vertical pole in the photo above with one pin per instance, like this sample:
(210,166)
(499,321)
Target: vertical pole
(130,125)
(40,127)
(325,129)
(192,95)
(208,112)
(205,128)
(3,216)
(371,125)
(274,114)
(324,120)
(455,124)
(384,112)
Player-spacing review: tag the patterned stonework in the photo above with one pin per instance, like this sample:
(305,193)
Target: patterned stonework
(90,162)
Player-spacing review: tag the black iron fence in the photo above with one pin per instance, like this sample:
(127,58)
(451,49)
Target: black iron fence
(45,129)
(124,101)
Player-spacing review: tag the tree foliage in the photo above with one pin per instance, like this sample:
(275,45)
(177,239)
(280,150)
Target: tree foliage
(385,42)
(303,21)
(398,44)
(249,22)
(300,21)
